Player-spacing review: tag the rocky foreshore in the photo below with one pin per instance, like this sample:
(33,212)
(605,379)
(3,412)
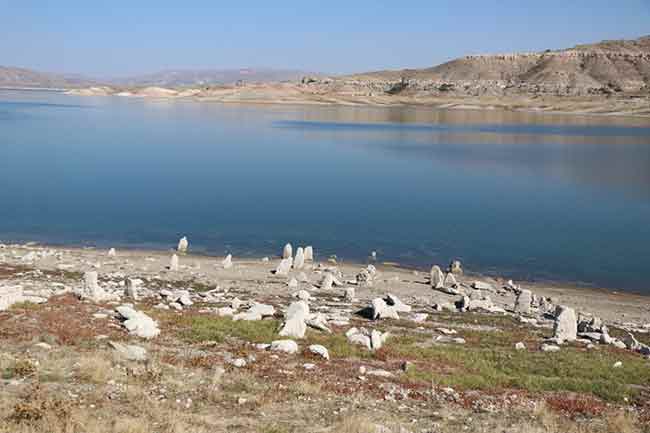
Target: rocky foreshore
(425,347)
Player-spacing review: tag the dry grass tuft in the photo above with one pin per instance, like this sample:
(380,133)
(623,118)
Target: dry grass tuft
(94,368)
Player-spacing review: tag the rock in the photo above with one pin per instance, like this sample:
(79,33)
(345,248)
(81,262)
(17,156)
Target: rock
(236,304)
(375,339)
(565,327)
(287,346)
(550,348)
(112,252)
(437,277)
(287,252)
(450,281)
(380,310)
(394,302)
(318,321)
(523,302)
(293,283)
(129,352)
(456,267)
(131,289)
(10,295)
(183,244)
(138,323)
(328,281)
(309,253)
(520,346)
(295,318)
(92,291)
(303,295)
(349,294)
(420,317)
(480,285)
(618,364)
(184,298)
(237,362)
(363,277)
(299,260)
(284,267)
(319,350)
(227,262)
(255,312)
(173,263)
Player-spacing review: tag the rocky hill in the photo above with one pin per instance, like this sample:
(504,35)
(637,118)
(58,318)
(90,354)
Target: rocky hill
(602,68)
(27,78)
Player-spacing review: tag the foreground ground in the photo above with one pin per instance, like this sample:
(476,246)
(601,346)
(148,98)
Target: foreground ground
(447,371)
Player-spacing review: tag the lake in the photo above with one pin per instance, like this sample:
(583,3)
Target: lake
(521,195)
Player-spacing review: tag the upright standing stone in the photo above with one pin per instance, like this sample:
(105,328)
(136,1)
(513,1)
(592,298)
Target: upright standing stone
(284,267)
(450,281)
(287,252)
(112,252)
(523,302)
(309,253)
(227,262)
(437,277)
(131,289)
(456,267)
(566,325)
(299,260)
(173,263)
(183,244)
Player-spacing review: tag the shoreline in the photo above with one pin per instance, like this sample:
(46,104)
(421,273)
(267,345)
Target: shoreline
(611,305)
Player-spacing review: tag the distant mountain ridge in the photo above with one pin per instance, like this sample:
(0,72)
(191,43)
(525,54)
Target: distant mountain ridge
(27,78)
(190,77)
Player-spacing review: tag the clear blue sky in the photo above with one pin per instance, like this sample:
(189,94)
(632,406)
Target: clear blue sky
(109,38)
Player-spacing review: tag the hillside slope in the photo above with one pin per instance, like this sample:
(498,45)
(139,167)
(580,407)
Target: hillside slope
(27,78)
(605,67)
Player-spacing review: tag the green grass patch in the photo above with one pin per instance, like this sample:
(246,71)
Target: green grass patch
(26,305)
(338,345)
(197,329)
(468,368)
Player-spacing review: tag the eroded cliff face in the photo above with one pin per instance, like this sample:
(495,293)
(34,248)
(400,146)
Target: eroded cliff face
(605,68)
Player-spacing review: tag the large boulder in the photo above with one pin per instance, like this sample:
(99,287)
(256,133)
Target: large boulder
(565,327)
(319,350)
(138,323)
(437,277)
(286,346)
(295,318)
(10,295)
(284,267)
(309,253)
(299,260)
(287,251)
(183,244)
(523,302)
(381,310)
(255,312)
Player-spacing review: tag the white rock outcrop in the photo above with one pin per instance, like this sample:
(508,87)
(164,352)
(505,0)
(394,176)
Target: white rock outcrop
(295,324)
(138,323)
(437,277)
(284,267)
(309,253)
(183,245)
(565,327)
(299,260)
(287,251)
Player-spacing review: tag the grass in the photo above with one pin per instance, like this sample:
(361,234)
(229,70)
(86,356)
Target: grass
(471,368)
(197,329)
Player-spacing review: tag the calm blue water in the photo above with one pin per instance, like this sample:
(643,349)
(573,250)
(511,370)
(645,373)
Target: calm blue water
(520,195)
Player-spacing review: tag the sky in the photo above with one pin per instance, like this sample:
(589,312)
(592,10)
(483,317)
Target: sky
(115,38)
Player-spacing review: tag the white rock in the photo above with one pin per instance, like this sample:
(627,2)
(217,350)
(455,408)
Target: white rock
(309,253)
(255,312)
(299,260)
(520,346)
(138,323)
(131,288)
(565,327)
(481,285)
(227,262)
(173,263)
(284,267)
(328,281)
(420,317)
(10,295)
(395,303)
(380,310)
(92,291)
(183,244)
(293,283)
(287,346)
(550,348)
(349,294)
(294,325)
(618,364)
(287,252)
(303,295)
(450,281)
(112,252)
(319,350)
(523,302)
(318,321)
(437,277)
